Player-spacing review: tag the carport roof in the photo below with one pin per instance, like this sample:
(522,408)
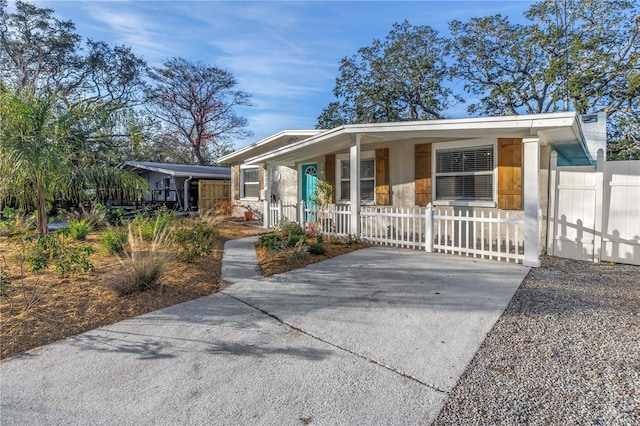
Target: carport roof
(179,170)
(562,130)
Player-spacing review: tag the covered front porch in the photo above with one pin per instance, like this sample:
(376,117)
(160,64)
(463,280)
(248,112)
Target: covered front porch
(475,186)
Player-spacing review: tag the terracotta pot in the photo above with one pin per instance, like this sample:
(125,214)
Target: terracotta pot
(248,215)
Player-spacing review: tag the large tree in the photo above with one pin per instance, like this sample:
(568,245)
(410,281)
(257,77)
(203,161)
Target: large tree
(198,102)
(395,79)
(40,52)
(576,55)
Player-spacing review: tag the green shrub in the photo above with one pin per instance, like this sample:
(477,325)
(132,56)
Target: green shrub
(286,229)
(292,240)
(319,239)
(54,250)
(113,217)
(296,254)
(114,240)
(352,239)
(8,212)
(316,248)
(78,229)
(270,241)
(193,242)
(18,224)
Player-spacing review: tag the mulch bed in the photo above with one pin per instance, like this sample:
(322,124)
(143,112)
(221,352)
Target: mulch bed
(70,306)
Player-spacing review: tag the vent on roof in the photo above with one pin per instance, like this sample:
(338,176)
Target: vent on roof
(591,118)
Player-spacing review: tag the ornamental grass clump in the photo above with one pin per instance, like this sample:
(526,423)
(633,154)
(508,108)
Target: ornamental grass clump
(143,264)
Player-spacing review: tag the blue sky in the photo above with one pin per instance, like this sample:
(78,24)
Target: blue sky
(286,54)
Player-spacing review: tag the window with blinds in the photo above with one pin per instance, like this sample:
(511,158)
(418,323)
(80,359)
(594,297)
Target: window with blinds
(250,182)
(465,173)
(367,180)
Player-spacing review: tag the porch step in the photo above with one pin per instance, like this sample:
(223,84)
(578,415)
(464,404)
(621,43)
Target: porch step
(239,260)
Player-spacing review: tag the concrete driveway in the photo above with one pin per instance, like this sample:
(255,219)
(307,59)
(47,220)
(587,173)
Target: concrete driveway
(378,336)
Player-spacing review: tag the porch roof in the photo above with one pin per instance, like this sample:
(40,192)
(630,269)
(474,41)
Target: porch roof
(562,130)
(278,140)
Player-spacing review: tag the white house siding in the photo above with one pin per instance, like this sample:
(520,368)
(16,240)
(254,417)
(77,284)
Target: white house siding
(286,189)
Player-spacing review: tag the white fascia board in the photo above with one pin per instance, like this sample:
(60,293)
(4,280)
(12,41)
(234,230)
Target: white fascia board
(327,134)
(533,123)
(240,154)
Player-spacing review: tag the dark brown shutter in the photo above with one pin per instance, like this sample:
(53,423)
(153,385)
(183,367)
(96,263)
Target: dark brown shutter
(382,177)
(235,177)
(330,173)
(510,174)
(260,180)
(423,174)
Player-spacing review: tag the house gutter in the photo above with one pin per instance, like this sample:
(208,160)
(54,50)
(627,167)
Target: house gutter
(186,193)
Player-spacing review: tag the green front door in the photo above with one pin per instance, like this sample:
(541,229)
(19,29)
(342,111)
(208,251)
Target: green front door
(309,185)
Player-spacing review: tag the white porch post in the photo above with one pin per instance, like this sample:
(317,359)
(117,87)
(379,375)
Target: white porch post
(531,187)
(266,216)
(354,178)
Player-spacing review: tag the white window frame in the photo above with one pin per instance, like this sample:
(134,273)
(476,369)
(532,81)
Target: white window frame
(242,183)
(448,146)
(340,158)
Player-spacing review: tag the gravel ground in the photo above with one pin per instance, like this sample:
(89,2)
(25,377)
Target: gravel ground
(566,351)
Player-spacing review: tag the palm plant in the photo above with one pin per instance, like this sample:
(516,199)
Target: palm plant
(41,141)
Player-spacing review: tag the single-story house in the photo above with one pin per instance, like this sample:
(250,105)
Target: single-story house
(184,186)
(484,172)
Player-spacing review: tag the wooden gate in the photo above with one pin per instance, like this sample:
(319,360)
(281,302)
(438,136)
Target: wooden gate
(211,192)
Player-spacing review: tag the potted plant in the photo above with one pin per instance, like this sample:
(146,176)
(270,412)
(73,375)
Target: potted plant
(248,214)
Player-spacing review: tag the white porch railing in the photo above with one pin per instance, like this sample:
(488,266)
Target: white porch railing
(491,235)
(280,212)
(393,226)
(332,220)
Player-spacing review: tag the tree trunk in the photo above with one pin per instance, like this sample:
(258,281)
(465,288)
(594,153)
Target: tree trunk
(196,150)
(43,226)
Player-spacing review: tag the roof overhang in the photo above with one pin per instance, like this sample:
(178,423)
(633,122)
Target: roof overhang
(179,170)
(283,138)
(562,130)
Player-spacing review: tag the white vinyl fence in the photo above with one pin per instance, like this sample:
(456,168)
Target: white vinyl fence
(594,212)
(488,235)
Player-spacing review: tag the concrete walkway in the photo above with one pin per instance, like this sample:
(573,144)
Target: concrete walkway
(378,336)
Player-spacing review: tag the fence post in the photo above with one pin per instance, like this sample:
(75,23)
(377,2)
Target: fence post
(266,220)
(301,213)
(599,214)
(428,229)
(280,213)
